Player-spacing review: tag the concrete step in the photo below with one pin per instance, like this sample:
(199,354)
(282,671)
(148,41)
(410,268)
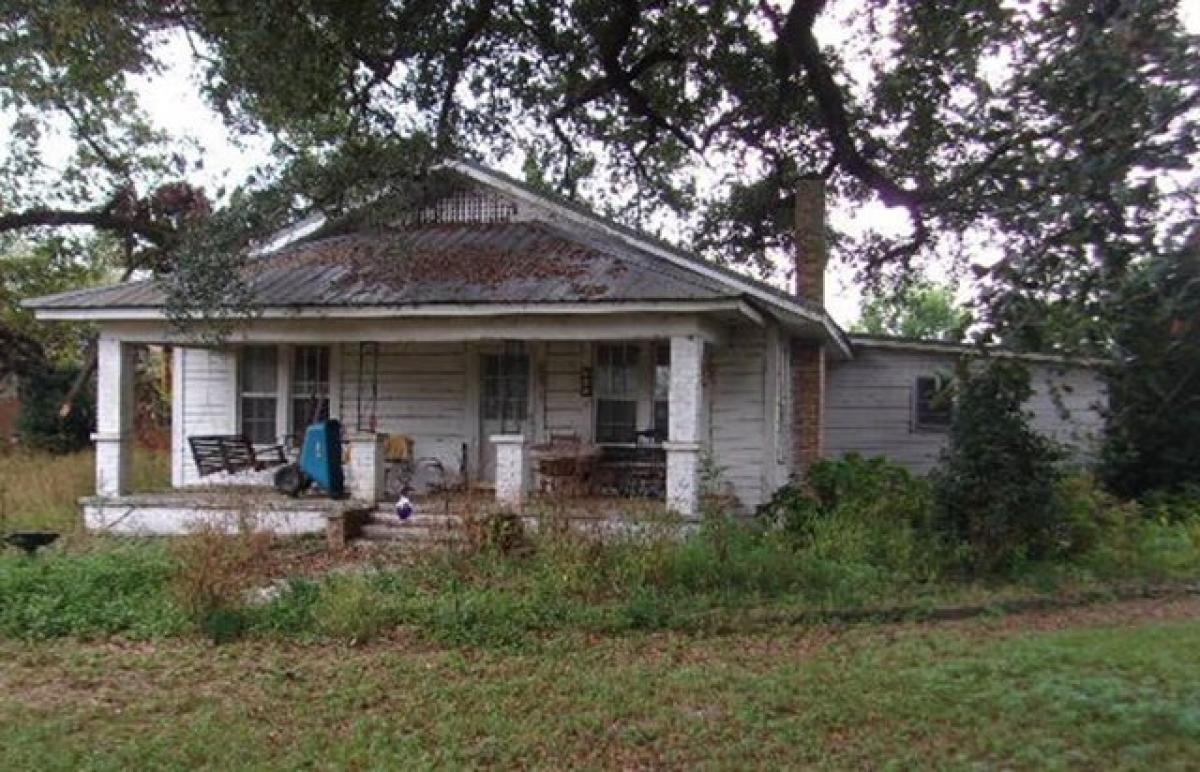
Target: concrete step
(423,518)
(375,531)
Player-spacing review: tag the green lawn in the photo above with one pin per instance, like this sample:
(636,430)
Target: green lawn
(1115,686)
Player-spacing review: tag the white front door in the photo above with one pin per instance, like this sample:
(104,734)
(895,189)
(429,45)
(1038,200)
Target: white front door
(503,403)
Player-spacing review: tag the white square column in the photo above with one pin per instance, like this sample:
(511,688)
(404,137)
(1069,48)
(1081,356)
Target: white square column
(686,397)
(366,470)
(114,416)
(511,469)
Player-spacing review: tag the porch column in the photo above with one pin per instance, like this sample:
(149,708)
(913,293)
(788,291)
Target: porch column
(114,415)
(683,450)
(367,466)
(511,468)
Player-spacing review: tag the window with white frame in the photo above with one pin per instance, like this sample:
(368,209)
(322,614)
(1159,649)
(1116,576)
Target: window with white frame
(617,389)
(310,386)
(258,393)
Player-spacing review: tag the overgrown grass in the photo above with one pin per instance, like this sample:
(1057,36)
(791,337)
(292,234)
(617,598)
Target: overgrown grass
(113,588)
(862,544)
(724,577)
(973,696)
(42,491)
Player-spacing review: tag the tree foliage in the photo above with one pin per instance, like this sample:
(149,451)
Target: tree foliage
(39,424)
(29,269)
(1043,126)
(1153,437)
(997,484)
(921,310)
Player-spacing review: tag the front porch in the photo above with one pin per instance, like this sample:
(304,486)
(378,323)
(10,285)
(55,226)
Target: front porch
(587,424)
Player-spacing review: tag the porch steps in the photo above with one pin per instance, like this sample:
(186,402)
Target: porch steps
(421,529)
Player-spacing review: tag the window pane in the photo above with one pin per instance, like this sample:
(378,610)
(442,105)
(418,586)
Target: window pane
(259,379)
(259,372)
(310,373)
(310,386)
(616,420)
(616,370)
(504,390)
(307,410)
(662,420)
(258,419)
(662,371)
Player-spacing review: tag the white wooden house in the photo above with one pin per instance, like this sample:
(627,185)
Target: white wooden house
(502,318)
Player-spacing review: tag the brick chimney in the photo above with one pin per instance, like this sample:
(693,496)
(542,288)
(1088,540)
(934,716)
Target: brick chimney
(808,353)
(811,252)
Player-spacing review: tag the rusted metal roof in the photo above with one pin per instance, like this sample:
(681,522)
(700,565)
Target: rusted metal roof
(508,262)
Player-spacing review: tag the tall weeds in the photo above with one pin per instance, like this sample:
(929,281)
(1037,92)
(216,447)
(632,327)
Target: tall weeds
(42,491)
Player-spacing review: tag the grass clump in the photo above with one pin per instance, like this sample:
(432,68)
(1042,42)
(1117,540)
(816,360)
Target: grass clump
(215,568)
(353,608)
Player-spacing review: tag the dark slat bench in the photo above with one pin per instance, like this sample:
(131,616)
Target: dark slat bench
(233,453)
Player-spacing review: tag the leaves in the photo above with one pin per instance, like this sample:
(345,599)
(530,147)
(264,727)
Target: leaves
(921,311)
(1036,129)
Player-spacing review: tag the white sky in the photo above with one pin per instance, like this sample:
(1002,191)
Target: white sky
(173,102)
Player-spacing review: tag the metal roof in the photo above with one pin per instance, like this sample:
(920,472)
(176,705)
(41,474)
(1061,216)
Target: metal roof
(514,262)
(580,258)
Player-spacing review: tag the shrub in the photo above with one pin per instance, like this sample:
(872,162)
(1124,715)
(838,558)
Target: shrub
(996,487)
(501,530)
(1092,518)
(857,511)
(1177,505)
(39,424)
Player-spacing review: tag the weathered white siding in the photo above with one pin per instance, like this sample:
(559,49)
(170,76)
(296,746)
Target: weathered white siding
(566,411)
(869,405)
(736,421)
(422,393)
(207,381)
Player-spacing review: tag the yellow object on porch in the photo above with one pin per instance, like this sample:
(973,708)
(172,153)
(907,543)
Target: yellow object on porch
(398,447)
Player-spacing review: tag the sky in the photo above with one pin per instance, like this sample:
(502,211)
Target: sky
(172,100)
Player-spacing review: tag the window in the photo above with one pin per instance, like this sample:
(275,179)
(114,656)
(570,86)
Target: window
(662,392)
(259,374)
(932,406)
(310,386)
(616,388)
(504,390)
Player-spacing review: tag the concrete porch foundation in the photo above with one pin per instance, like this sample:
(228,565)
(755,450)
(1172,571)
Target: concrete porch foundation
(164,514)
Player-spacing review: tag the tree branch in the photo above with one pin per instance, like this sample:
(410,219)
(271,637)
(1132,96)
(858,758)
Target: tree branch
(799,49)
(101,219)
(474,26)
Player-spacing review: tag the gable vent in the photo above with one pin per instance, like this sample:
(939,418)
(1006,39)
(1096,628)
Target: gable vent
(466,206)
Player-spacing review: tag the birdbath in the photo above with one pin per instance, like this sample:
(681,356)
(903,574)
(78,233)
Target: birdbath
(30,541)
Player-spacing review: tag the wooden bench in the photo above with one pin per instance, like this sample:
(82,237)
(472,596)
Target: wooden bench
(233,453)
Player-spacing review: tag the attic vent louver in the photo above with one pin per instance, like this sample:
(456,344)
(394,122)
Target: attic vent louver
(466,206)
